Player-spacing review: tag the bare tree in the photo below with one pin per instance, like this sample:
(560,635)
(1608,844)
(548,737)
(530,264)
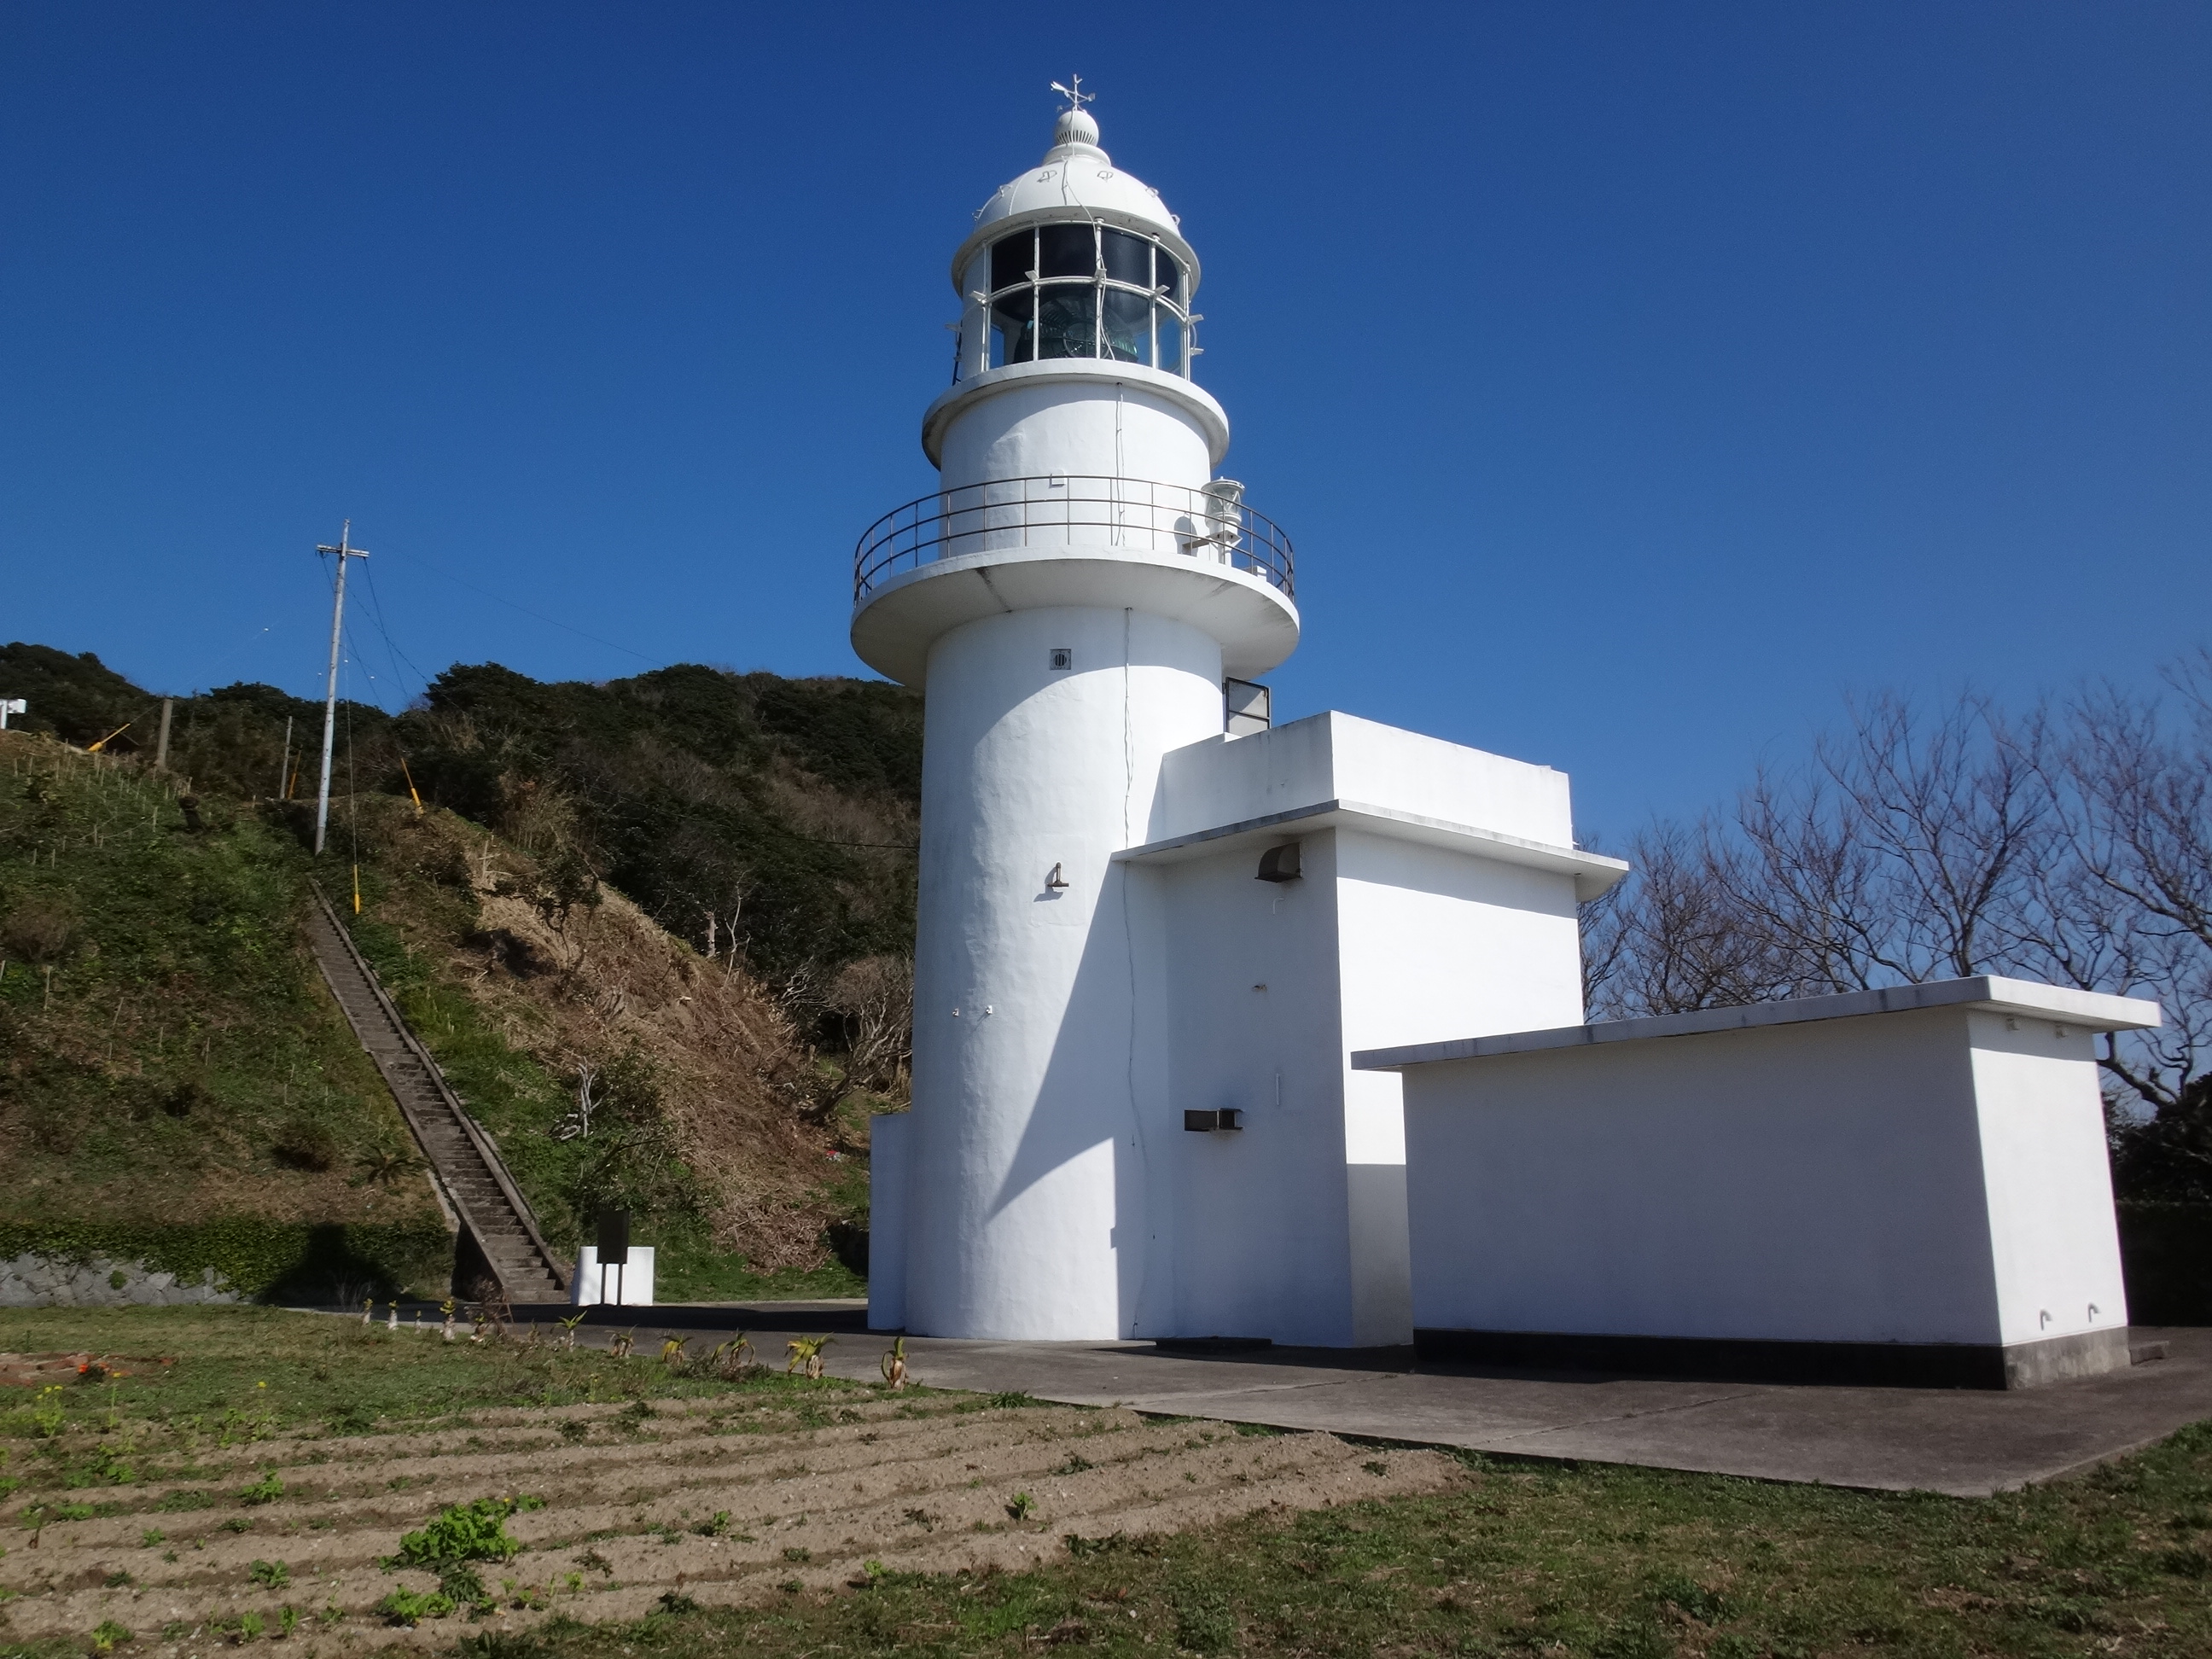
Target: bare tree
(1603,924)
(1681,936)
(1903,852)
(2130,906)
(575,1124)
(875,995)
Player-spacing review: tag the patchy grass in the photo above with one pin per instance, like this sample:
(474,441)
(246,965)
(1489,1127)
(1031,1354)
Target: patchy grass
(237,1373)
(1596,1561)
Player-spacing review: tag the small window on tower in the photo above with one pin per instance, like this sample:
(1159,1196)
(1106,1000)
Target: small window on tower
(1062,657)
(1246,708)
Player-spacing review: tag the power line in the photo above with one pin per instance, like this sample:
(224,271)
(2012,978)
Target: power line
(376,606)
(503,599)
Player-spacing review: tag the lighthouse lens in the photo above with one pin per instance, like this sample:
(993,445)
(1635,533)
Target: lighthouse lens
(1084,290)
(1067,321)
(1012,338)
(1128,329)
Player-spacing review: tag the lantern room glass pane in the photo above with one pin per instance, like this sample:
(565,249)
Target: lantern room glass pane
(1068,320)
(1168,273)
(1168,330)
(1127,332)
(1067,251)
(1128,258)
(1012,339)
(1010,259)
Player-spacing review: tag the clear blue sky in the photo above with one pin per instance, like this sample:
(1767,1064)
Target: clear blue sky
(1634,379)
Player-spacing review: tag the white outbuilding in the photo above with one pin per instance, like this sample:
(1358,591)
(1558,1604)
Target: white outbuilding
(1906,1185)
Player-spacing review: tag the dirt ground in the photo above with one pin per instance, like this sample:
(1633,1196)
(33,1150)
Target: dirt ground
(746,1498)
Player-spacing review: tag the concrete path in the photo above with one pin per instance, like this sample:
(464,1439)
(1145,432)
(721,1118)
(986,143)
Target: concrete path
(1968,1442)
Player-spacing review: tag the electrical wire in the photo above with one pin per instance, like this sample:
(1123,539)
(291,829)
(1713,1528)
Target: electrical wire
(353,805)
(392,651)
(501,600)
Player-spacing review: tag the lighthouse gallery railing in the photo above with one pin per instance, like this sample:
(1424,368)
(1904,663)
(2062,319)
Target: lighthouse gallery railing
(1073,510)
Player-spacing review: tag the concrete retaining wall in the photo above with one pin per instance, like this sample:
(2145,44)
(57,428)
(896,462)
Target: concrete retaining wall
(38,1281)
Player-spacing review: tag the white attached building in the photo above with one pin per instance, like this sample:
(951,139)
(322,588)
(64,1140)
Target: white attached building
(1152,928)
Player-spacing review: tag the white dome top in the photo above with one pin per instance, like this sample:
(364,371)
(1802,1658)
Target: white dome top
(1076,180)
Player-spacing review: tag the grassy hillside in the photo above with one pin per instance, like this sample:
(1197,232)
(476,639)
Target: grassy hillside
(613,1064)
(726,1100)
(175,1081)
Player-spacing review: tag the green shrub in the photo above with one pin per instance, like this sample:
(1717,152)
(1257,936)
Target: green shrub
(464,1532)
(405,1607)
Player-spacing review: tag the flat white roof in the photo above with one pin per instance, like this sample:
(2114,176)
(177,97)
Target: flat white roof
(1592,871)
(2092,1010)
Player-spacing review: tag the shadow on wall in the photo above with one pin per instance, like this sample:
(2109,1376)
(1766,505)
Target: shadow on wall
(2166,1253)
(231,1258)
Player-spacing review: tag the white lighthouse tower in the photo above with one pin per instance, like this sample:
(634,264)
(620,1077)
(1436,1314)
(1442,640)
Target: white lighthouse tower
(1152,927)
(1072,597)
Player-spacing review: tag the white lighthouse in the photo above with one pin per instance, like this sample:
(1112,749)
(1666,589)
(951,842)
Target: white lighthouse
(1133,1113)
(1157,931)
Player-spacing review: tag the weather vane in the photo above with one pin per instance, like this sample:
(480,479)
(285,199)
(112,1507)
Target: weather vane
(1077,97)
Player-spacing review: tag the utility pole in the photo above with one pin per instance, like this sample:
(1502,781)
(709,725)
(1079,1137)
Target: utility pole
(162,749)
(284,766)
(343,552)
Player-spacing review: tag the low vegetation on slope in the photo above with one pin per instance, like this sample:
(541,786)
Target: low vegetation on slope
(614,1065)
(175,1085)
(781,811)
(179,1089)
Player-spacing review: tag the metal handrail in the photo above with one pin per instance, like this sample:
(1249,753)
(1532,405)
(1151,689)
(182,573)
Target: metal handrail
(1075,510)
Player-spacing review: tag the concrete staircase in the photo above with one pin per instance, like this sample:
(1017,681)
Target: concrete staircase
(496,1226)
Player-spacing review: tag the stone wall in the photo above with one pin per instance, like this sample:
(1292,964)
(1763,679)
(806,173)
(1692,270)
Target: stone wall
(38,1281)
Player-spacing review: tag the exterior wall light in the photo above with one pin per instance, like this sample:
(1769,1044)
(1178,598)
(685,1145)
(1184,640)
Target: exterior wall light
(1279,863)
(1212,1120)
